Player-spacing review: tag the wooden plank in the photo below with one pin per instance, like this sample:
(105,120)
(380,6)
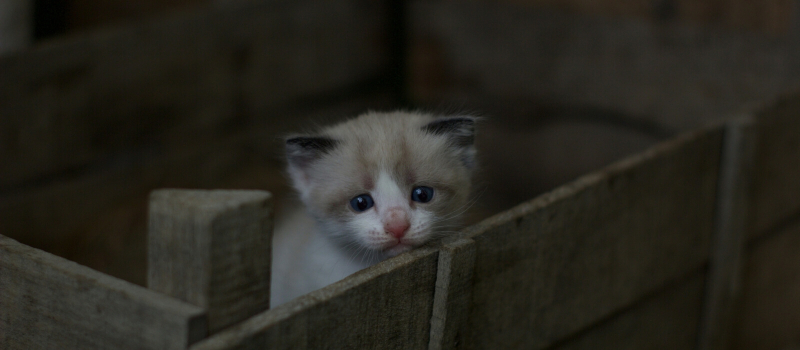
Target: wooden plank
(178,81)
(679,76)
(212,249)
(668,320)
(453,294)
(561,262)
(769,315)
(730,231)
(51,303)
(776,190)
(386,306)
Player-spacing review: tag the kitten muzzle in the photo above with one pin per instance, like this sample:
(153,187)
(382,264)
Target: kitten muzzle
(396,223)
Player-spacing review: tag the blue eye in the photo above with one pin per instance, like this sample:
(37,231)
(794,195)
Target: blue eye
(422,194)
(362,202)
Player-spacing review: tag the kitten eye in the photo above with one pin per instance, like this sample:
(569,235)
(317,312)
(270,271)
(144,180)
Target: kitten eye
(362,202)
(422,194)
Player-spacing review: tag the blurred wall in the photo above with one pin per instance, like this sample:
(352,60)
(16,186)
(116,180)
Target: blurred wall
(765,15)
(85,14)
(772,16)
(15,25)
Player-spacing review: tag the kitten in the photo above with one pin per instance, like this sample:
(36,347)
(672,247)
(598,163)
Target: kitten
(373,187)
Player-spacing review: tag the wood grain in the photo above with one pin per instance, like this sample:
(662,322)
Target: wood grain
(667,320)
(769,311)
(47,302)
(386,306)
(451,303)
(562,262)
(212,249)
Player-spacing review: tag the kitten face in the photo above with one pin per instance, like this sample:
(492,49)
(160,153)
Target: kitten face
(384,183)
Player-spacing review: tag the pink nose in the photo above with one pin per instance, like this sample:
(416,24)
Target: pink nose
(397,230)
(396,222)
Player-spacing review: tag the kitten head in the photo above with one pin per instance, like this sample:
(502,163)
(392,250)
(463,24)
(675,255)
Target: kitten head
(385,183)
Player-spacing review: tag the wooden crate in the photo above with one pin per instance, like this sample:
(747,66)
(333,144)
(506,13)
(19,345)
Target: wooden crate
(682,245)
(587,263)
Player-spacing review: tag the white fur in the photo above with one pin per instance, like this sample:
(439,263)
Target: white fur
(385,156)
(303,260)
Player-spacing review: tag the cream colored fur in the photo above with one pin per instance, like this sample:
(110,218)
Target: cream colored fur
(384,155)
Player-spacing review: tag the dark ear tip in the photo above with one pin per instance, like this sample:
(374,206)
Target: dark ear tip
(311,142)
(296,140)
(451,125)
(464,120)
(302,150)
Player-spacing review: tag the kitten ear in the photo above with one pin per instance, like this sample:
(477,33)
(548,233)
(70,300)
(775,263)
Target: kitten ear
(461,132)
(302,150)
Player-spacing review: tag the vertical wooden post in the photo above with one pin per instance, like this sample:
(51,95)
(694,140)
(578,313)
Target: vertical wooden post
(453,294)
(723,284)
(212,249)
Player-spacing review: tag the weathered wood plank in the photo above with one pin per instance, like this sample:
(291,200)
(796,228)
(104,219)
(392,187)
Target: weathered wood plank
(178,81)
(668,320)
(47,302)
(453,294)
(386,306)
(776,189)
(561,262)
(680,76)
(730,231)
(212,249)
(769,316)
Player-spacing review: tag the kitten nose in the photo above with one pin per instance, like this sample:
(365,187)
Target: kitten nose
(397,230)
(397,223)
